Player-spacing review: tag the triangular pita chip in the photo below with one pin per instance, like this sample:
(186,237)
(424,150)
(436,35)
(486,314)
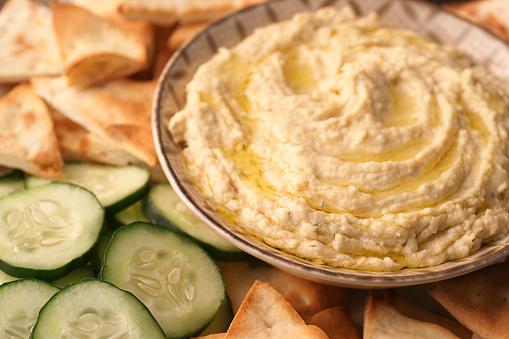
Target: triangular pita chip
(411,310)
(382,320)
(491,14)
(264,313)
(306,297)
(478,300)
(27,139)
(94,49)
(28,43)
(109,10)
(335,322)
(168,12)
(140,30)
(78,144)
(118,111)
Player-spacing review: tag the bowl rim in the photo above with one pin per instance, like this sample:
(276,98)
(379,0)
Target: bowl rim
(488,254)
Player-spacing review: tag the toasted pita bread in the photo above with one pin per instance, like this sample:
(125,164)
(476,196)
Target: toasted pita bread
(94,49)
(27,139)
(78,144)
(491,14)
(382,320)
(168,12)
(4,89)
(264,313)
(159,12)
(101,8)
(101,150)
(68,135)
(307,297)
(478,300)
(29,46)
(214,336)
(161,53)
(411,310)
(5,171)
(118,111)
(141,30)
(335,322)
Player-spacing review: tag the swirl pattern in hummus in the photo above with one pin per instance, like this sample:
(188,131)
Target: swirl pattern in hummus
(349,143)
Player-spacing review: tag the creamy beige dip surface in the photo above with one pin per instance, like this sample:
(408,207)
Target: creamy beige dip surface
(348,143)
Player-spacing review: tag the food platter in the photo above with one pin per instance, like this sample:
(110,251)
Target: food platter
(305,298)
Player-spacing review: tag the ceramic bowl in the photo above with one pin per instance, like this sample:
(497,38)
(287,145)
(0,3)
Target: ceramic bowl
(427,19)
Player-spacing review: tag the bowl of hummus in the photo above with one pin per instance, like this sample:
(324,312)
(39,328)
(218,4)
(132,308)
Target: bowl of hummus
(357,143)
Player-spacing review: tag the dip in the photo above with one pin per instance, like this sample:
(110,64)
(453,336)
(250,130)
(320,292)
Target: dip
(348,143)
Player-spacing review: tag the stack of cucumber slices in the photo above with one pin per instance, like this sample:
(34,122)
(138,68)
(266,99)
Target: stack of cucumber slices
(103,253)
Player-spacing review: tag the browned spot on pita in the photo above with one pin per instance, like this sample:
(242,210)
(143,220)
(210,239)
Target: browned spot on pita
(21,45)
(29,119)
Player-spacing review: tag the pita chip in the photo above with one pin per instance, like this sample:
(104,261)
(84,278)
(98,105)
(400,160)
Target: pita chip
(141,30)
(93,49)
(4,89)
(161,53)
(335,322)
(78,144)
(306,297)
(214,336)
(478,300)
(411,310)
(162,13)
(29,45)
(382,320)
(264,313)
(119,111)
(166,13)
(491,14)
(27,139)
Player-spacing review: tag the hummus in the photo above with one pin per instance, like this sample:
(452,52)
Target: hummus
(348,143)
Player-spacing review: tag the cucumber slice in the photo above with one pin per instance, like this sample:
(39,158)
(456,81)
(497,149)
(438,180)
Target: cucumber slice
(47,231)
(79,274)
(21,302)
(164,207)
(95,309)
(178,281)
(11,182)
(115,187)
(126,216)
